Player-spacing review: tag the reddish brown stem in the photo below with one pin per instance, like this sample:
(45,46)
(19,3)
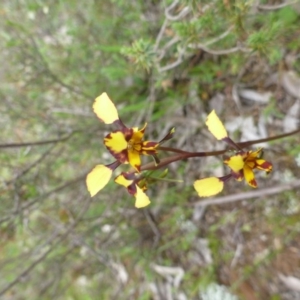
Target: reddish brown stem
(182,155)
(272,138)
(186,154)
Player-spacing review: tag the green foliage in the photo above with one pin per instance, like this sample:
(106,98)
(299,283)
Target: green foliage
(140,53)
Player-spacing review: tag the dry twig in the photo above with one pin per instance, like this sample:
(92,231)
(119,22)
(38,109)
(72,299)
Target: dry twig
(275,7)
(249,195)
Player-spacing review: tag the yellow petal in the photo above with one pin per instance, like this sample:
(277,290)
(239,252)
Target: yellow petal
(149,148)
(105,109)
(98,178)
(137,135)
(141,199)
(249,176)
(168,136)
(208,186)
(123,181)
(215,126)
(116,142)
(235,163)
(261,164)
(134,159)
(254,154)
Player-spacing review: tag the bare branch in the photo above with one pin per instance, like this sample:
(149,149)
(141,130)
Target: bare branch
(32,165)
(153,226)
(160,34)
(223,51)
(215,40)
(181,15)
(60,237)
(249,195)
(212,41)
(175,63)
(38,143)
(43,196)
(275,7)
(54,76)
(167,46)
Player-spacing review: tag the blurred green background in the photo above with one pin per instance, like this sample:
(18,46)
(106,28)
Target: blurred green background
(166,63)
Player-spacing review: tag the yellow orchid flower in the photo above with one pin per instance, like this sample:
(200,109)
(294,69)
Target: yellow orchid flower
(98,178)
(126,144)
(215,126)
(210,186)
(128,180)
(105,109)
(243,164)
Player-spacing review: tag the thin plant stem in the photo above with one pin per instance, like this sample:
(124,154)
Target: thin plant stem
(272,138)
(186,154)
